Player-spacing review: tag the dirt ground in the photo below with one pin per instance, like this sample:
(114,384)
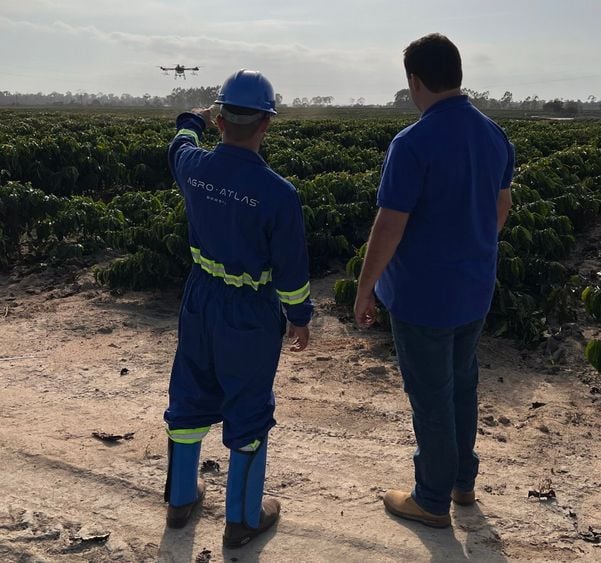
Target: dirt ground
(75,359)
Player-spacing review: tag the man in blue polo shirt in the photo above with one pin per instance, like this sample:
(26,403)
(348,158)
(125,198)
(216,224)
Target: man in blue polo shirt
(247,243)
(431,258)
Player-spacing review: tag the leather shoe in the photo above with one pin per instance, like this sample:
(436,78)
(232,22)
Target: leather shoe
(463,498)
(237,535)
(178,516)
(403,505)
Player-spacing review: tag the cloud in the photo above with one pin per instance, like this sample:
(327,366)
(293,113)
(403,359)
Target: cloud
(294,68)
(481,59)
(214,47)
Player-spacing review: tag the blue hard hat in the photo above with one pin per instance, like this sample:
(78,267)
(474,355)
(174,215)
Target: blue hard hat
(248,89)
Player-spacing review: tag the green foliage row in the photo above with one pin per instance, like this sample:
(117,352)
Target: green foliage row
(336,168)
(150,228)
(65,153)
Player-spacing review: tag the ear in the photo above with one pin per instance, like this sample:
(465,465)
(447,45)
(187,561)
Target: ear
(265,124)
(220,122)
(414,82)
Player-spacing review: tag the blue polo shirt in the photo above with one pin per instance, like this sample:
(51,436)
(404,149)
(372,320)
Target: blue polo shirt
(446,171)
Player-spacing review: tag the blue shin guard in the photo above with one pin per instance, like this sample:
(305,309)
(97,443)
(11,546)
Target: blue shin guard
(245,480)
(182,476)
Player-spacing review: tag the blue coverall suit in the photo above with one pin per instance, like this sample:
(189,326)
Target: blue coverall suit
(247,241)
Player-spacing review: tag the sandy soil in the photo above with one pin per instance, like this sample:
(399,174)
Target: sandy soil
(343,437)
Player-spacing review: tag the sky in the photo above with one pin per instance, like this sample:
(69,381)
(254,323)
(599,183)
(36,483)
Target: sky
(345,49)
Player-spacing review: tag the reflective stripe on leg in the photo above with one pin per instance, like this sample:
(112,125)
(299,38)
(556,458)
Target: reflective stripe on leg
(188,435)
(252,447)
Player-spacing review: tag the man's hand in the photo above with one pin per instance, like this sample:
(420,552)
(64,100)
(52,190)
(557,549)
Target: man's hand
(386,234)
(204,114)
(300,335)
(365,310)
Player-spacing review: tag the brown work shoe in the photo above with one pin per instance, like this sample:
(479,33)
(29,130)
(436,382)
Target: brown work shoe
(402,504)
(178,516)
(237,535)
(463,498)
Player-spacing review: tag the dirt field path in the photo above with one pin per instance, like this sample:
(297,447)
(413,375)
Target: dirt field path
(75,359)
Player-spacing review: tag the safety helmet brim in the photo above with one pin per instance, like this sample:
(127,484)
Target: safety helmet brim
(248,89)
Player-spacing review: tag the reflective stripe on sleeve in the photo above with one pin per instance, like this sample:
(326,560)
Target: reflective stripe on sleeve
(188,435)
(189,133)
(295,297)
(218,270)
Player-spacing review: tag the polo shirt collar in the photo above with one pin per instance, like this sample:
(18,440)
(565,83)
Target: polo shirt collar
(238,152)
(447,103)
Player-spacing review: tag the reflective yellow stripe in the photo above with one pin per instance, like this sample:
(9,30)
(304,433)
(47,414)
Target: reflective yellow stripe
(188,435)
(218,270)
(190,133)
(252,447)
(295,297)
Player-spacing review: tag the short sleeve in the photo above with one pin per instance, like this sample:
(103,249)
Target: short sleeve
(509,169)
(402,179)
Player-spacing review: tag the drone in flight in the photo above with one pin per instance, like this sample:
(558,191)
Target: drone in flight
(179,70)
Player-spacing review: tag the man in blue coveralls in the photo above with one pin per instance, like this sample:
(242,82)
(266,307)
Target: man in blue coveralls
(247,241)
(431,257)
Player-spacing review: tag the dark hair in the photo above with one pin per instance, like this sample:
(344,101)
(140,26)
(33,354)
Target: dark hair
(242,132)
(436,61)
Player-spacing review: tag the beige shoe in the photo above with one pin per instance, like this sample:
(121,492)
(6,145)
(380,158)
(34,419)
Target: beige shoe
(237,535)
(402,504)
(463,498)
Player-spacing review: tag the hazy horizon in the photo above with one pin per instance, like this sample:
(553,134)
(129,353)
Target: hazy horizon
(341,49)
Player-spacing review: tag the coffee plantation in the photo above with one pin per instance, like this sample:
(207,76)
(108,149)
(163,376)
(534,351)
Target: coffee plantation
(73,185)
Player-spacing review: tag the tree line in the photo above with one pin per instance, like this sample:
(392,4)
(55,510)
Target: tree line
(206,95)
(484,101)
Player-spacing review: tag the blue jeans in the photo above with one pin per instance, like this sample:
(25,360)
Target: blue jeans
(440,374)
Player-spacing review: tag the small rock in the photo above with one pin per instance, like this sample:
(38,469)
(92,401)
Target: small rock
(210,466)
(204,556)
(377,370)
(323,358)
(501,438)
(504,420)
(543,428)
(105,329)
(489,420)
(124,371)
(500,380)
